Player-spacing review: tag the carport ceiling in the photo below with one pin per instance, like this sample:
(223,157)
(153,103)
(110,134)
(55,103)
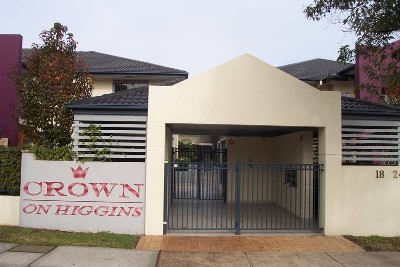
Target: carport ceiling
(234,130)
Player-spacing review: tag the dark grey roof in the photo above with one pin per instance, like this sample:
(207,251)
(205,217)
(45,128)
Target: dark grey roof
(352,106)
(132,97)
(316,69)
(101,63)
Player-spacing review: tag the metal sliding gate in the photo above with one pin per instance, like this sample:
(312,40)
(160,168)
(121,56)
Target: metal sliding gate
(226,196)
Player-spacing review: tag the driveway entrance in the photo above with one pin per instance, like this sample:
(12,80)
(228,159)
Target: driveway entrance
(234,197)
(315,243)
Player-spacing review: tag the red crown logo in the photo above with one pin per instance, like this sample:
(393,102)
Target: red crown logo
(79,172)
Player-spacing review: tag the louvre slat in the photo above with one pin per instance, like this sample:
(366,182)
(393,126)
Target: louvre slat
(371,147)
(371,153)
(116,144)
(370,123)
(119,131)
(116,138)
(369,141)
(370,130)
(103,126)
(90,118)
(370,159)
(114,156)
(370,136)
(133,150)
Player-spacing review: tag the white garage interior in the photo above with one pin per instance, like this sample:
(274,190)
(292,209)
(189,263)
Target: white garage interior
(251,178)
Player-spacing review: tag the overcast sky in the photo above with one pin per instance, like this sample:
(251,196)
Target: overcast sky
(185,34)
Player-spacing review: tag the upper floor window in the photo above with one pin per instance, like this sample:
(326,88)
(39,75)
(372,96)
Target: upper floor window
(126,85)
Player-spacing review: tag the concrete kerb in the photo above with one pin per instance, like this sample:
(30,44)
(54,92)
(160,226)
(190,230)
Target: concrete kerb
(11,255)
(19,259)
(6,246)
(99,257)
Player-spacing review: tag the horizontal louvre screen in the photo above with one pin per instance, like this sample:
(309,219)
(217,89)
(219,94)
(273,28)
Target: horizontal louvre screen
(120,138)
(367,142)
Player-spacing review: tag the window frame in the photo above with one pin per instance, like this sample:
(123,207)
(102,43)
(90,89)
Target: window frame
(133,82)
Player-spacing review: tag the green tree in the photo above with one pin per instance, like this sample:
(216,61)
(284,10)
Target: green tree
(375,24)
(54,77)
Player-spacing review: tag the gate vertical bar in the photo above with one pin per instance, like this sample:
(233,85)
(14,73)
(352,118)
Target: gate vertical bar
(187,194)
(192,191)
(181,199)
(237,204)
(166,168)
(245,200)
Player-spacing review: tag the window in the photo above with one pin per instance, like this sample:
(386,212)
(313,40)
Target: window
(127,85)
(291,177)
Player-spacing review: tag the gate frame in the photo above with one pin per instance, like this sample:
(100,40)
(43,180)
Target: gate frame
(316,170)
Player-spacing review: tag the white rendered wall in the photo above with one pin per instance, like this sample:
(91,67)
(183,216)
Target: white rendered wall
(371,206)
(102,86)
(250,150)
(109,197)
(9,210)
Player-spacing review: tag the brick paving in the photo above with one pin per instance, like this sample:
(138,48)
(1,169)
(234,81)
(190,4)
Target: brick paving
(317,243)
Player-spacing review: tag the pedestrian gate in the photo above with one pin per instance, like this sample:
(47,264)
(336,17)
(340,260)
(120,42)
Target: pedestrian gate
(227,196)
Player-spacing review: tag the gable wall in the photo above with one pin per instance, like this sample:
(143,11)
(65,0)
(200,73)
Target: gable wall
(244,91)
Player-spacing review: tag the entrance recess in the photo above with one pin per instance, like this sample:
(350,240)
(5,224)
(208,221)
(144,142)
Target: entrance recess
(227,196)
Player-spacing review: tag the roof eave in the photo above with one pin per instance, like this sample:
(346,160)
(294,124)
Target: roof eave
(106,107)
(307,80)
(346,69)
(338,78)
(180,74)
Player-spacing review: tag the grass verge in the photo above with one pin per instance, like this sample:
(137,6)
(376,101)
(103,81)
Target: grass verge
(376,243)
(42,237)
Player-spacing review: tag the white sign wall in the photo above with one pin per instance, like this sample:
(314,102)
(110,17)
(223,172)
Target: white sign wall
(84,197)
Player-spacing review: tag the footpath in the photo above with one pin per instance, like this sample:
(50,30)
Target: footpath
(14,255)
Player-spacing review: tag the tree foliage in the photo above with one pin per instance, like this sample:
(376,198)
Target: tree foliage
(54,77)
(96,144)
(376,25)
(10,170)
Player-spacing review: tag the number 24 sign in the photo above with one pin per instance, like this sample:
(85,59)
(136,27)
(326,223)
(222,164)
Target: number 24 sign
(379,174)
